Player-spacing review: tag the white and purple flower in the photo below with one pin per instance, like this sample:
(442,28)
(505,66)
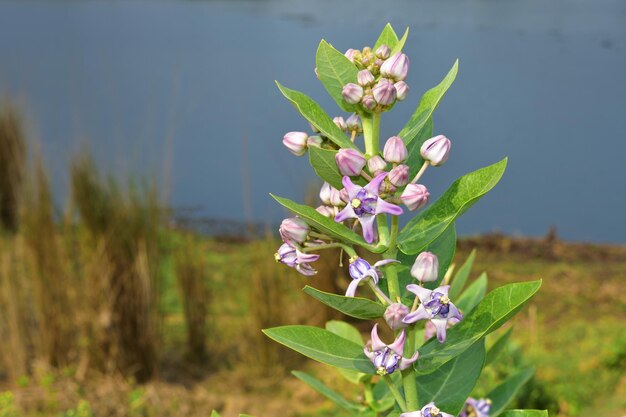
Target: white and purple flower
(434,306)
(293,258)
(429,410)
(476,408)
(388,358)
(360,270)
(365,204)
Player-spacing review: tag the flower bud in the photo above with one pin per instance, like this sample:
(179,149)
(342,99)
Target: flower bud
(327,211)
(376,164)
(341,123)
(314,141)
(426,267)
(352,93)
(368,102)
(351,54)
(399,176)
(296,142)
(384,92)
(383,52)
(343,194)
(354,123)
(436,150)
(313,128)
(294,229)
(350,162)
(395,150)
(394,315)
(402,89)
(335,197)
(415,196)
(325,193)
(396,67)
(365,78)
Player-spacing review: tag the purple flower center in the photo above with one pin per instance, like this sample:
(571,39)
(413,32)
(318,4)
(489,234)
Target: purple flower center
(386,361)
(363,203)
(439,304)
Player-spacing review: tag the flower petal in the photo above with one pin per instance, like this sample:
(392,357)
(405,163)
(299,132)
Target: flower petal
(367,224)
(406,362)
(454,313)
(352,287)
(384,207)
(398,344)
(346,213)
(419,314)
(374,184)
(304,258)
(384,262)
(440,325)
(377,344)
(422,293)
(443,289)
(306,269)
(350,187)
(417,413)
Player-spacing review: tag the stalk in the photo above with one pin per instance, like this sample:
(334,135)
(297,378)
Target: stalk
(408,376)
(391,253)
(396,393)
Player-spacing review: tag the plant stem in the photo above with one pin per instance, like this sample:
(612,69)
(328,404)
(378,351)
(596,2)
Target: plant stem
(408,376)
(371,132)
(395,392)
(381,295)
(421,171)
(369,394)
(390,270)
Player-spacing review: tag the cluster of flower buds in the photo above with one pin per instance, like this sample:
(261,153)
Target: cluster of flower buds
(380,81)
(352,124)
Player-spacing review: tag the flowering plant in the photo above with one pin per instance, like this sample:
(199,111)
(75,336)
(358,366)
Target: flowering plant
(437,352)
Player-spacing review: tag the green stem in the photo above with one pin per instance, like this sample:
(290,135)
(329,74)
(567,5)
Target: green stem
(390,271)
(381,295)
(408,376)
(371,132)
(369,394)
(396,393)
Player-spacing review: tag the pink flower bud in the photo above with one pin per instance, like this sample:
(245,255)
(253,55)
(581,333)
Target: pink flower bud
(395,150)
(368,102)
(327,211)
(343,194)
(350,162)
(394,315)
(325,193)
(426,267)
(384,92)
(383,52)
(402,89)
(351,53)
(352,93)
(396,67)
(399,176)
(294,229)
(335,197)
(415,196)
(314,141)
(436,150)
(365,78)
(341,123)
(296,142)
(354,123)
(376,164)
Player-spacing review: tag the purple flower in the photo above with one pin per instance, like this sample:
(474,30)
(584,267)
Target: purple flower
(376,164)
(415,196)
(436,150)
(395,150)
(384,92)
(360,269)
(394,314)
(396,67)
(388,358)
(293,230)
(429,410)
(476,408)
(365,77)
(350,162)
(434,306)
(352,93)
(293,258)
(365,205)
(399,175)
(426,267)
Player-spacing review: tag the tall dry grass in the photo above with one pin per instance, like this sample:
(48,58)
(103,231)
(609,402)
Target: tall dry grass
(12,165)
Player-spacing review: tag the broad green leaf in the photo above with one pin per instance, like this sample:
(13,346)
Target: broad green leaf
(312,111)
(349,332)
(335,71)
(444,247)
(525,413)
(323,162)
(460,278)
(473,294)
(504,393)
(462,194)
(387,37)
(215,414)
(400,43)
(332,395)
(322,346)
(325,225)
(496,349)
(492,312)
(450,385)
(360,308)
(429,102)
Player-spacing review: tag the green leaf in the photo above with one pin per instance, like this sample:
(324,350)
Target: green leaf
(245,415)
(504,393)
(323,162)
(387,37)
(326,225)
(496,349)
(312,111)
(525,413)
(444,247)
(460,278)
(322,346)
(332,395)
(335,71)
(215,414)
(462,194)
(472,296)
(492,312)
(415,160)
(450,385)
(398,47)
(429,102)
(357,307)
(349,332)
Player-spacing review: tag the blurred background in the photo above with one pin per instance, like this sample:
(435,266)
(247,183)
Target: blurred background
(139,141)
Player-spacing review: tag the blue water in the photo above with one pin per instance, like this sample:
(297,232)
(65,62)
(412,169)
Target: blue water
(184,90)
